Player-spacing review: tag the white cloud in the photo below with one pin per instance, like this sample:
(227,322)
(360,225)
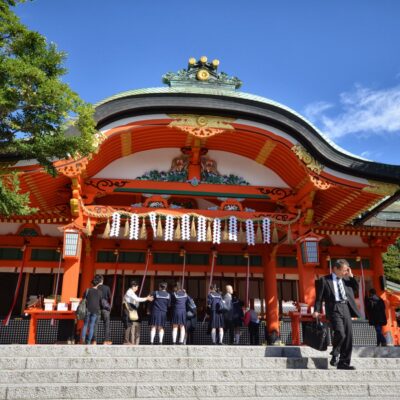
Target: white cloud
(363,110)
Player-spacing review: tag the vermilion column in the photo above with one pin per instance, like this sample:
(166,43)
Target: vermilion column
(70,279)
(377,266)
(271,292)
(87,266)
(306,280)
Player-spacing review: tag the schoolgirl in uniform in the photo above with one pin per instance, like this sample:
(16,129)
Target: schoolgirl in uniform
(178,301)
(161,303)
(214,300)
(237,316)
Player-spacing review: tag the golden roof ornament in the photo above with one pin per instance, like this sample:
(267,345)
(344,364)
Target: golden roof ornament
(202,73)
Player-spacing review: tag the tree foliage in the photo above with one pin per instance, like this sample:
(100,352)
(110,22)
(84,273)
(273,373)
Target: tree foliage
(36,107)
(391,262)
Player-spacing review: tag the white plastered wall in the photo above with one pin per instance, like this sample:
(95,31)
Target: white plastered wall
(137,164)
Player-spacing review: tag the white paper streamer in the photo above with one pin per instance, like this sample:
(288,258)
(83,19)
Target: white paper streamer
(185,228)
(116,224)
(233,232)
(250,232)
(266,228)
(169,228)
(201,229)
(153,223)
(217,231)
(134,228)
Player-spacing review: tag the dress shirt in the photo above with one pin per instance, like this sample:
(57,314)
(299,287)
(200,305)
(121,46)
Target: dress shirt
(132,298)
(335,279)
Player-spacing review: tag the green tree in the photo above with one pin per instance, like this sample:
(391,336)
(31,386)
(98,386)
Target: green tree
(391,262)
(36,107)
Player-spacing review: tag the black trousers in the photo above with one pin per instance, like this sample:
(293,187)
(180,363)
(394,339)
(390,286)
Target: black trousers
(229,329)
(342,333)
(105,316)
(254,334)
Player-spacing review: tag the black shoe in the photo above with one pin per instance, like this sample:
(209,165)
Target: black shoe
(346,366)
(334,361)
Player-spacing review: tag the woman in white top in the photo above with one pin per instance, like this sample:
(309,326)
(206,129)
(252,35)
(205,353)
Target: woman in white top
(131,301)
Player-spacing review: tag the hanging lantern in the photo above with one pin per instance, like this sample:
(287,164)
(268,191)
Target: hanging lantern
(72,243)
(309,245)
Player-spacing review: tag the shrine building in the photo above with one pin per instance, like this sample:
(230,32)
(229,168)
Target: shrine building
(199,181)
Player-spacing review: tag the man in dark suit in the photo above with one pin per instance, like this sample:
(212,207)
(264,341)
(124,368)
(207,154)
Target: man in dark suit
(337,291)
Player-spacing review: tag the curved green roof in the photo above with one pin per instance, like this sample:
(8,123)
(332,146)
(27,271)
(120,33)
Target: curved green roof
(227,93)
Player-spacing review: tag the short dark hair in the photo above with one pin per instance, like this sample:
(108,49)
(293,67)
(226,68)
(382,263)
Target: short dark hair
(341,263)
(96,281)
(372,291)
(213,287)
(178,285)
(163,285)
(99,277)
(133,283)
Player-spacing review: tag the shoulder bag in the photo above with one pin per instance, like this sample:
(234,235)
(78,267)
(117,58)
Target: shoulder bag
(132,313)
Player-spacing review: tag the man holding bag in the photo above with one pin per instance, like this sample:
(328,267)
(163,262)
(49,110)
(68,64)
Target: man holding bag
(131,302)
(337,290)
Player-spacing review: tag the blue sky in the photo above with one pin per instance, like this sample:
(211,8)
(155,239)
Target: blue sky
(337,62)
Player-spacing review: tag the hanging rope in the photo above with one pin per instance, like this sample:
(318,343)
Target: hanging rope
(145,271)
(7,319)
(183,268)
(247,279)
(362,290)
(58,275)
(214,255)
(116,252)
(57,281)
(109,211)
(330,265)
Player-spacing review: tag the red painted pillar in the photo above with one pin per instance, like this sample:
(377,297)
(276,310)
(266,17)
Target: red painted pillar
(271,292)
(306,280)
(88,268)
(378,271)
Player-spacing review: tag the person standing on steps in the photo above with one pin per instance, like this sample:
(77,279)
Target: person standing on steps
(376,314)
(132,301)
(337,290)
(237,316)
(253,324)
(93,303)
(178,302)
(214,300)
(191,320)
(158,317)
(105,310)
(228,316)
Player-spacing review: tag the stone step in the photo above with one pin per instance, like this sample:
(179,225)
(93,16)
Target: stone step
(199,390)
(212,376)
(117,363)
(184,351)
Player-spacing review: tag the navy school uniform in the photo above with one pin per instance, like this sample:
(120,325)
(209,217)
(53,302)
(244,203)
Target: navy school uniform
(161,303)
(178,300)
(237,312)
(216,318)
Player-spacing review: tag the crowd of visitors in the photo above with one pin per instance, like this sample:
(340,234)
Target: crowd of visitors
(224,312)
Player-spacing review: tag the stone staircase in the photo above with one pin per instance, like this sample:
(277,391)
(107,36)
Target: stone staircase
(193,372)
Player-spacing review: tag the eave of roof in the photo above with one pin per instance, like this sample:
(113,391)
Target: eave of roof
(246,106)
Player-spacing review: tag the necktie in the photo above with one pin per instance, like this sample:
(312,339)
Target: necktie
(342,293)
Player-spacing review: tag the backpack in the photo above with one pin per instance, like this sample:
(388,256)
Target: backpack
(81,310)
(222,307)
(191,308)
